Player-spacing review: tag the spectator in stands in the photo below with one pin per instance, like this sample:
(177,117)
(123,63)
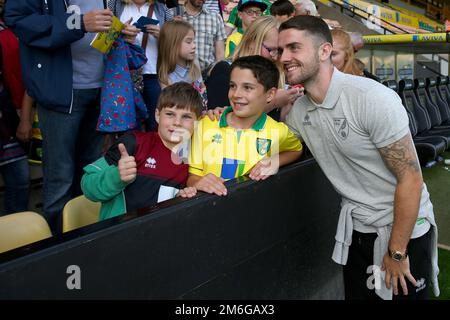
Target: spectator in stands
(235,22)
(13,159)
(364,72)
(216,6)
(176,56)
(248,12)
(142,169)
(63,73)
(308,8)
(264,144)
(343,55)
(209,34)
(358,132)
(282,10)
(127,9)
(305,8)
(260,39)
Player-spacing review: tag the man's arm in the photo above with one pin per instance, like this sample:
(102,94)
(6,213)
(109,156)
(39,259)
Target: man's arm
(401,159)
(35,28)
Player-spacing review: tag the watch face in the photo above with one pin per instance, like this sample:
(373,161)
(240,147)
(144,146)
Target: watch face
(398,256)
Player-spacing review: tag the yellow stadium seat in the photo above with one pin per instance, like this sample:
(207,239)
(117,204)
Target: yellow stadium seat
(80,212)
(22,228)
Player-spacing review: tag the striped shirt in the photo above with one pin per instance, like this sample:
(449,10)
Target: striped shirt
(209,28)
(212,6)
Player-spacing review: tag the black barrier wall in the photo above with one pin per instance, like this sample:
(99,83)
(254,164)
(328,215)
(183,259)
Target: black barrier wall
(265,240)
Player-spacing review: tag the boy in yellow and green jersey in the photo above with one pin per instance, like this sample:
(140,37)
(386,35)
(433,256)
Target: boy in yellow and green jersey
(245,141)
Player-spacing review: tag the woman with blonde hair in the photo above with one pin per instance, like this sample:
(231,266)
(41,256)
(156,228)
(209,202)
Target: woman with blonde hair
(343,54)
(148,40)
(261,38)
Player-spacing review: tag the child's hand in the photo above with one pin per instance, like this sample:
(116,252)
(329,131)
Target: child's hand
(214,114)
(212,184)
(187,192)
(264,169)
(127,165)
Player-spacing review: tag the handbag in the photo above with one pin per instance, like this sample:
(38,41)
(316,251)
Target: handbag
(136,75)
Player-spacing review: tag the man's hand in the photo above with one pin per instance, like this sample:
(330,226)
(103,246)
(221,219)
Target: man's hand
(264,169)
(98,20)
(396,271)
(130,32)
(153,30)
(187,192)
(214,114)
(127,165)
(24,130)
(212,184)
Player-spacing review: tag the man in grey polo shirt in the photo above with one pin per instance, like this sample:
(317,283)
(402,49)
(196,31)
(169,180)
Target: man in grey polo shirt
(358,132)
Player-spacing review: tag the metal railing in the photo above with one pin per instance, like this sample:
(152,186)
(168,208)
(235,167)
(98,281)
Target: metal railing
(351,8)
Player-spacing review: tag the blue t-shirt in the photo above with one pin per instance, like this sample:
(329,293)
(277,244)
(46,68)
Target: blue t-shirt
(87,62)
(181,74)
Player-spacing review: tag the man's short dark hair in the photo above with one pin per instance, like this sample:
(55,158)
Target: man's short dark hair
(181,95)
(264,70)
(281,8)
(315,26)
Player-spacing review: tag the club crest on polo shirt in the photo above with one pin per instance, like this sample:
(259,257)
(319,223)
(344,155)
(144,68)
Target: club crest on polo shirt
(150,163)
(263,145)
(307,121)
(341,127)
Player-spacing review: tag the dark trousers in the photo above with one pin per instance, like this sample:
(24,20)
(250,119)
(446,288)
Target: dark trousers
(16,176)
(70,142)
(358,273)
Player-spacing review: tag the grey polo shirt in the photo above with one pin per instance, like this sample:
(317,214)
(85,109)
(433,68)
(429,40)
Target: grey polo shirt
(344,133)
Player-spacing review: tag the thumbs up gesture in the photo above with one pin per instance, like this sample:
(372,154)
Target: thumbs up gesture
(127,165)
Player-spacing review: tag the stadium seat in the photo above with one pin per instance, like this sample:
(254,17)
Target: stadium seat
(436,98)
(432,117)
(428,148)
(22,228)
(444,91)
(80,212)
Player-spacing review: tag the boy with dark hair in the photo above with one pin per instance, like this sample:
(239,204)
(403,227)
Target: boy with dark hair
(245,140)
(283,10)
(142,169)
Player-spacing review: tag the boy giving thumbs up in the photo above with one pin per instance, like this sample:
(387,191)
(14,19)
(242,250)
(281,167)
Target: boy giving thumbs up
(144,168)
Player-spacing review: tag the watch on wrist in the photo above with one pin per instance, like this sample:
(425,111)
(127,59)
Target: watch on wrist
(398,255)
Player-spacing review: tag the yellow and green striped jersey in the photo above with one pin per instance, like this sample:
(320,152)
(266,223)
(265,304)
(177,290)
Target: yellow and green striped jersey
(230,153)
(232,42)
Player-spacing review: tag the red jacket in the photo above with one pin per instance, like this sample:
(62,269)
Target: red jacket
(12,75)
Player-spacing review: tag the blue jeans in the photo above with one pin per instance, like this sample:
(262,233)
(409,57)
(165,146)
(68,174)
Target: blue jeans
(16,176)
(70,142)
(152,89)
